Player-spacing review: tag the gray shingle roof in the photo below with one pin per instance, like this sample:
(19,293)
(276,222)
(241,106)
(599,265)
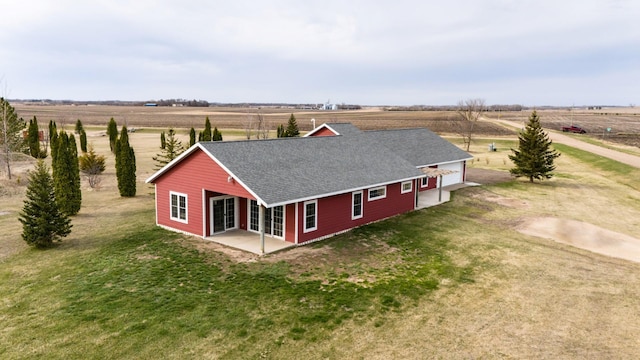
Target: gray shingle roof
(421,147)
(281,171)
(345,129)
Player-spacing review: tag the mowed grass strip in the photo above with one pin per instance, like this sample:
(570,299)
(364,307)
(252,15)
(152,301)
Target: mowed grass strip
(143,293)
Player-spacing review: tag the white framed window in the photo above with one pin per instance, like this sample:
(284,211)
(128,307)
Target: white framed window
(377,193)
(356,205)
(425,182)
(310,215)
(178,205)
(407,186)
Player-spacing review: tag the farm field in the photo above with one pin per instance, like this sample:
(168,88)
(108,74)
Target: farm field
(624,122)
(455,281)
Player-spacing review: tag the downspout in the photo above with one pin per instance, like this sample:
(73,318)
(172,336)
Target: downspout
(261,228)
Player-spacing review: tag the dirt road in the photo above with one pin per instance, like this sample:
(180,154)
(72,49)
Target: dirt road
(559,138)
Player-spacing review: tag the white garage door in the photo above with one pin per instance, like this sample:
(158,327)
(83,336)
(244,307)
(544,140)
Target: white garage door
(454,178)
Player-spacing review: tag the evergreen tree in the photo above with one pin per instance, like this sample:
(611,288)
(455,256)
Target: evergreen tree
(83,141)
(33,139)
(192,137)
(53,143)
(112,132)
(125,165)
(79,127)
(74,167)
(280,131)
(92,166)
(42,221)
(217,135)
(206,134)
(163,141)
(172,150)
(534,157)
(66,175)
(292,128)
(11,139)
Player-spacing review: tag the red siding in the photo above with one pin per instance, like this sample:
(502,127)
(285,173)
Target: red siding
(242,208)
(324,132)
(193,174)
(432,181)
(334,213)
(290,223)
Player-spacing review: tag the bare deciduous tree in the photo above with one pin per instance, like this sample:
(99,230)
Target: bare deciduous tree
(248,126)
(262,127)
(469,112)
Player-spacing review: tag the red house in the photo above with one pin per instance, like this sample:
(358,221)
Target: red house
(300,190)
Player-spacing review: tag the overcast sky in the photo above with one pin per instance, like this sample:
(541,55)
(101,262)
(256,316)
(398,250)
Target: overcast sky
(401,52)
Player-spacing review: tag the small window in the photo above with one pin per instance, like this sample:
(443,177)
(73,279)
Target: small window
(310,215)
(378,193)
(407,187)
(178,207)
(425,181)
(356,205)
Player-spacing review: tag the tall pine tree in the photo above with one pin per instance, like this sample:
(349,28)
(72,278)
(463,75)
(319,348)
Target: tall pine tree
(33,139)
(66,175)
(79,127)
(292,128)
(83,141)
(192,137)
(112,132)
(41,218)
(125,165)
(217,135)
(206,133)
(53,143)
(172,149)
(534,157)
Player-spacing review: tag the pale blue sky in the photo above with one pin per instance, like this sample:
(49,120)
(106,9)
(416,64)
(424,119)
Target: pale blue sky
(402,52)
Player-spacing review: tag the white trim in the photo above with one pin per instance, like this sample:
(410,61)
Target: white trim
(186,207)
(315,216)
(224,202)
(444,162)
(422,184)
(179,231)
(297,222)
(284,220)
(323,126)
(402,190)
(353,202)
(346,191)
(173,162)
(377,197)
(204,213)
(155,196)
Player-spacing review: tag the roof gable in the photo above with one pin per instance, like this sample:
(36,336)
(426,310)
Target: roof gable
(335,128)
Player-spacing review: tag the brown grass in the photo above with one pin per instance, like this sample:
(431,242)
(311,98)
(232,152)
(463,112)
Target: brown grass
(532,298)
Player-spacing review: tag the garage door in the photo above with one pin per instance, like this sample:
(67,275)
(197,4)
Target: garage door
(453,178)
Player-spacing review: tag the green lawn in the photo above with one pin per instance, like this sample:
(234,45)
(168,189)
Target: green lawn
(145,293)
(456,280)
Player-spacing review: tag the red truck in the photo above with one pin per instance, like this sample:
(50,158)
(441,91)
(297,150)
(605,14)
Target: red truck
(574,129)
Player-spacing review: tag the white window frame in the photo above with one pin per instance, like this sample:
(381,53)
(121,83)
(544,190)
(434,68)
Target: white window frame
(402,189)
(186,207)
(424,182)
(315,216)
(353,203)
(379,196)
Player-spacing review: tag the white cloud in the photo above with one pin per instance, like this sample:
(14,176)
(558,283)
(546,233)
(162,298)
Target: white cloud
(363,50)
